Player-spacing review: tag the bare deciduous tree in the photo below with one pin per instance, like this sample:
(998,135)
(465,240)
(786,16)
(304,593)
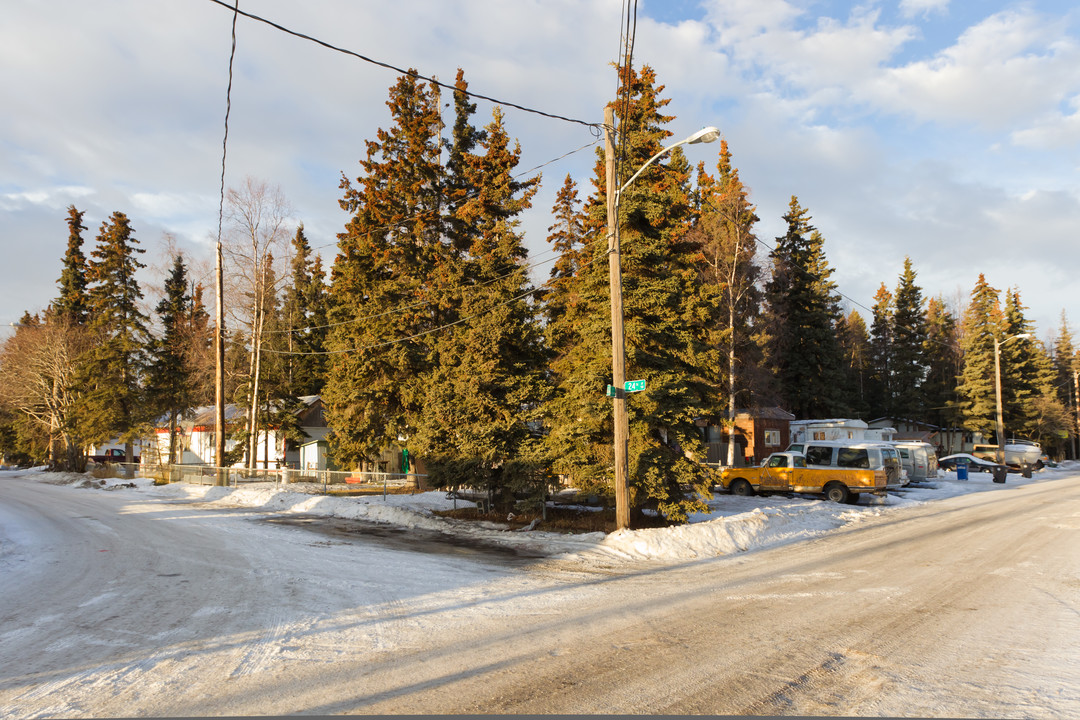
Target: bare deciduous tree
(259,233)
(37,368)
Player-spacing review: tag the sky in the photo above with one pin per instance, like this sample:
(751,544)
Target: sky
(943,131)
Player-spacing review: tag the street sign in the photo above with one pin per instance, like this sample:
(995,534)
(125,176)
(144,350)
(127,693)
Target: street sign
(634,385)
(612,391)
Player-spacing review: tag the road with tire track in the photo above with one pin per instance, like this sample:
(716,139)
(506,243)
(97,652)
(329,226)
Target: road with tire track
(114,605)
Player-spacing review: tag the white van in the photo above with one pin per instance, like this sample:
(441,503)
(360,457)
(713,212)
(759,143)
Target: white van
(918,458)
(854,454)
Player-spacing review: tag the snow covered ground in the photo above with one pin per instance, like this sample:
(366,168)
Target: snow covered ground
(735,524)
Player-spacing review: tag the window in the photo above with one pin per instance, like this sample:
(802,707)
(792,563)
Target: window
(798,461)
(772,438)
(778,462)
(852,458)
(818,455)
(819,435)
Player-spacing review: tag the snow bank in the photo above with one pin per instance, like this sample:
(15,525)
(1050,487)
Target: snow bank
(734,524)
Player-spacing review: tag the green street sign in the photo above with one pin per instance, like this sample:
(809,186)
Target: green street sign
(612,391)
(634,385)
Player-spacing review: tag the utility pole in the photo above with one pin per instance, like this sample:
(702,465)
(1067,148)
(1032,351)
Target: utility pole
(219,367)
(618,340)
(1076,411)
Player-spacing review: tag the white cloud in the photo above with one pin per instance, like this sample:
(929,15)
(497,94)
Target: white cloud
(1009,68)
(911,8)
(52,198)
(1056,130)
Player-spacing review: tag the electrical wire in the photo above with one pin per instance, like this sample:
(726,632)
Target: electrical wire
(228,108)
(440,328)
(596,127)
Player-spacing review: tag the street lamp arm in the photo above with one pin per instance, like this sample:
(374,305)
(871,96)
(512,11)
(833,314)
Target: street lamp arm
(706,135)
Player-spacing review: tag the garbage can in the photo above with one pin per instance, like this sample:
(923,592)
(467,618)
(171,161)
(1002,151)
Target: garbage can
(1000,473)
(961,471)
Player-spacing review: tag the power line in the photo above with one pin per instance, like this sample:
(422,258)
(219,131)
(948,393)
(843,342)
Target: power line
(440,328)
(468,196)
(594,126)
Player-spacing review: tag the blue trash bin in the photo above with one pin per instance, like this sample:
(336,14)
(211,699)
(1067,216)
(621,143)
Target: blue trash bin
(961,471)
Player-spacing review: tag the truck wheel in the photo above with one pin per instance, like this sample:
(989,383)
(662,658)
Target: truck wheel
(741,488)
(837,493)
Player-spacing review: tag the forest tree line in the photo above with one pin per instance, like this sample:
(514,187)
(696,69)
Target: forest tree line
(428,332)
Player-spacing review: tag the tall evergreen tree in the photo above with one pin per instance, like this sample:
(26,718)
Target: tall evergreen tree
(944,365)
(908,348)
(731,279)
(567,237)
(380,297)
(114,402)
(803,307)
(303,321)
(170,384)
(855,346)
(1067,373)
(488,382)
(983,323)
(73,301)
(882,336)
(664,325)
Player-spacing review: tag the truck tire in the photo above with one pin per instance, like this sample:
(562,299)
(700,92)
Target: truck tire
(741,488)
(837,492)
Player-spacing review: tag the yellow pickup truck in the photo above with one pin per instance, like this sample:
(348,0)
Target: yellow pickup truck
(787,472)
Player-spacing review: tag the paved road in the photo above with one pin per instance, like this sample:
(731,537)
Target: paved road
(110,605)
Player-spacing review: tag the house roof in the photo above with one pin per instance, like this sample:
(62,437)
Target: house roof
(765,413)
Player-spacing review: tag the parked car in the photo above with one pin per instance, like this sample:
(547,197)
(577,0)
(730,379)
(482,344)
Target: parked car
(976,464)
(857,473)
(918,458)
(111,455)
(854,453)
(1018,453)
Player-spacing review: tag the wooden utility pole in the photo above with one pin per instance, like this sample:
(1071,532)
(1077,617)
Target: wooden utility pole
(219,367)
(618,340)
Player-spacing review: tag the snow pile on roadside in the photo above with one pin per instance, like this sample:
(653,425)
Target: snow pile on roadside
(735,524)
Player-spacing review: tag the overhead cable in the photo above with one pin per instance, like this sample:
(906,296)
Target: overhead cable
(594,126)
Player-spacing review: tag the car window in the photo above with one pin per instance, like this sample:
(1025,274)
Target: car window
(798,462)
(818,455)
(853,458)
(778,461)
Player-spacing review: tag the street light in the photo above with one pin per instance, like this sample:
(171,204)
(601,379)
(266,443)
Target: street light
(997,389)
(618,341)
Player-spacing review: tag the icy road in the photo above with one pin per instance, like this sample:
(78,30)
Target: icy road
(135,602)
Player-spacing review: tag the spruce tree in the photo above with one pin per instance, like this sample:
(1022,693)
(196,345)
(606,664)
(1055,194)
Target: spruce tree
(855,346)
(567,237)
(1067,372)
(983,323)
(882,335)
(380,297)
(170,385)
(488,379)
(115,402)
(73,301)
(665,329)
(730,293)
(944,364)
(908,347)
(803,309)
(303,319)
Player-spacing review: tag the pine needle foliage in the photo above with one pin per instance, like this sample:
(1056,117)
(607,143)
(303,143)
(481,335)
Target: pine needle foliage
(113,374)
(665,326)
(804,308)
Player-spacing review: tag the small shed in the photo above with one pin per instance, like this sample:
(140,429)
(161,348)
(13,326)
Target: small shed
(313,456)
